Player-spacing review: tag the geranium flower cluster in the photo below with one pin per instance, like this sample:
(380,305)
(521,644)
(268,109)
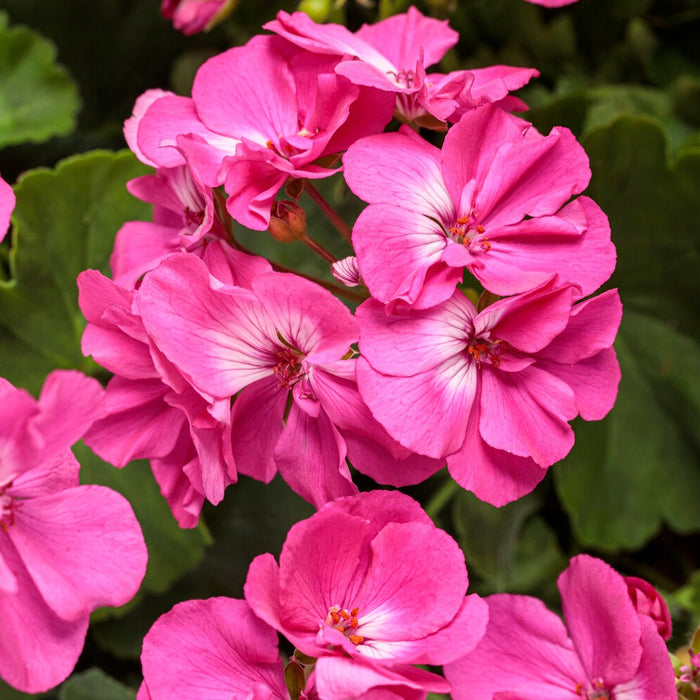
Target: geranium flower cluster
(476,342)
(224,364)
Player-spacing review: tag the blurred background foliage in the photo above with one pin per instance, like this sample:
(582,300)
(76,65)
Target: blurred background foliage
(624,75)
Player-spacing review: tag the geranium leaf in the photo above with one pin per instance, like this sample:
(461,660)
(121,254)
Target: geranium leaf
(38,98)
(94,684)
(64,221)
(639,467)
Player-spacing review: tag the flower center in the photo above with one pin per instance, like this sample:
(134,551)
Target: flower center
(484,350)
(466,231)
(8,506)
(597,692)
(345,622)
(288,369)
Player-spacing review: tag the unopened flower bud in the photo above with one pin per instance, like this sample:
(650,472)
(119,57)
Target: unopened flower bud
(287,221)
(648,602)
(347,271)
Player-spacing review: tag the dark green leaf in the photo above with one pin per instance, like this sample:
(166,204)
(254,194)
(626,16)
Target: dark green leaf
(94,684)
(38,99)
(639,467)
(65,221)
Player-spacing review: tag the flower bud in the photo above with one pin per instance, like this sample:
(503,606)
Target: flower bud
(647,601)
(287,221)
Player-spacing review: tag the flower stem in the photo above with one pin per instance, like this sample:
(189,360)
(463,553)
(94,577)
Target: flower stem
(441,497)
(319,249)
(330,213)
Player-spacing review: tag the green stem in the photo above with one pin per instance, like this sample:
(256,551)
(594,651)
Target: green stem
(330,213)
(442,497)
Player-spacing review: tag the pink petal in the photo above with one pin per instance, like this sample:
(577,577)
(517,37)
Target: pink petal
(594,382)
(68,404)
(400,169)
(492,475)
(654,678)
(7,205)
(82,547)
(219,339)
(339,677)
(257,421)
(310,456)
(409,37)
(262,589)
(526,413)
(38,650)
(139,424)
(602,622)
(397,250)
(525,649)
(210,649)
(427,412)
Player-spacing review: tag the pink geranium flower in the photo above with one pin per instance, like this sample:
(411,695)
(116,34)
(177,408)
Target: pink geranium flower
(493,201)
(392,56)
(152,410)
(253,135)
(605,652)
(193,16)
(282,348)
(65,549)
(369,586)
(7,204)
(492,390)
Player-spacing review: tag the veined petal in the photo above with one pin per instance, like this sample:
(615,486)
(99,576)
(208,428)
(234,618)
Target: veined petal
(418,342)
(400,169)
(211,649)
(310,456)
(602,621)
(38,649)
(427,412)
(220,339)
(408,37)
(397,250)
(526,413)
(525,649)
(415,586)
(82,547)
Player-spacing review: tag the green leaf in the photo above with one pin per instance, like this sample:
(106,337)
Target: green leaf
(38,99)
(639,467)
(654,212)
(94,684)
(65,221)
(8,693)
(171,550)
(510,548)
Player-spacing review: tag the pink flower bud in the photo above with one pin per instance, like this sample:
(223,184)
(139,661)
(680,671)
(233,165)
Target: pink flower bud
(647,601)
(347,271)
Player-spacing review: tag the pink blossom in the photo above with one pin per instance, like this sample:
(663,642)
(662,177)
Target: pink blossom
(211,650)
(193,16)
(647,601)
(605,651)
(493,201)
(152,411)
(392,56)
(253,135)
(492,391)
(282,348)
(183,215)
(65,549)
(7,204)
(368,586)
